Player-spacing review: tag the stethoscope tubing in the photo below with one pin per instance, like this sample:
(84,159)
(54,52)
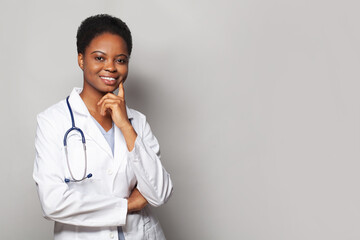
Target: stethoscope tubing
(74,128)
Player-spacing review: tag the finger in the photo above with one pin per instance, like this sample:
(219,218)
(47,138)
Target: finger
(107,96)
(111,101)
(103,107)
(103,110)
(107,108)
(121,92)
(102,99)
(108,104)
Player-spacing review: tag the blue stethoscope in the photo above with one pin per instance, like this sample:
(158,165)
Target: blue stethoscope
(73,128)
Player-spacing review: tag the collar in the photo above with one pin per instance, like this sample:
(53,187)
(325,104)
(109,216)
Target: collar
(78,105)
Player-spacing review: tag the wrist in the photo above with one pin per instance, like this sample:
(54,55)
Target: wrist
(129,134)
(126,126)
(122,123)
(131,204)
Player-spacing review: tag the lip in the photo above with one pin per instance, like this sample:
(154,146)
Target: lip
(109,80)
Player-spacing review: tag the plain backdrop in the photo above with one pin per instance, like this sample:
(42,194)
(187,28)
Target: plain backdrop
(255,104)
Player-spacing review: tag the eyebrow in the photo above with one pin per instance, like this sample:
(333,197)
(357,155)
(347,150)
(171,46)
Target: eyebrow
(97,51)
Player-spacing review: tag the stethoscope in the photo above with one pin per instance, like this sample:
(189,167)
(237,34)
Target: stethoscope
(73,128)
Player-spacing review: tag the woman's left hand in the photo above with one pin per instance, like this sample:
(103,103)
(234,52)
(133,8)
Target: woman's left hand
(115,105)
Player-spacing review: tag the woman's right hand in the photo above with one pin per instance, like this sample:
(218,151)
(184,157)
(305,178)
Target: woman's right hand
(136,201)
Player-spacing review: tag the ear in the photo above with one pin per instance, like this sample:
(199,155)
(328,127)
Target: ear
(81,60)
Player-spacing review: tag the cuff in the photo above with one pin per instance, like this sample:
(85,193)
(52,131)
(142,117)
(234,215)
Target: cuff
(121,209)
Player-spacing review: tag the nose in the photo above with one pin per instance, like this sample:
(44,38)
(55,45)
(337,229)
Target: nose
(110,66)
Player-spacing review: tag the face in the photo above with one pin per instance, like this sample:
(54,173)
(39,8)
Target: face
(104,63)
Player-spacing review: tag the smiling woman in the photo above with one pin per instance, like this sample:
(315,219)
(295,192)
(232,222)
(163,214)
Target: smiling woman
(122,154)
(105,59)
(105,65)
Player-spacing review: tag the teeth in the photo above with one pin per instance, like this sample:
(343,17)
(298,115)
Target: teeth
(108,78)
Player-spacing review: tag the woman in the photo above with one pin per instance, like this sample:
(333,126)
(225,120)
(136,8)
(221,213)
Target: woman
(104,191)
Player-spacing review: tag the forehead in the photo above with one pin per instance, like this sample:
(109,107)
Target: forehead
(108,43)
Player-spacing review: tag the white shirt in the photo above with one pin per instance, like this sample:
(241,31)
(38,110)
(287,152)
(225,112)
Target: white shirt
(94,207)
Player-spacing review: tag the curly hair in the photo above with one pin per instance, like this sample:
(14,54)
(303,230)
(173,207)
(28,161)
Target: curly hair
(96,25)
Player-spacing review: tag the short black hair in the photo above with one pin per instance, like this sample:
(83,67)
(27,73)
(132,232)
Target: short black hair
(96,25)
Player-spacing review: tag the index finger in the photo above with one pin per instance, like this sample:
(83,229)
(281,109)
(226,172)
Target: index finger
(121,92)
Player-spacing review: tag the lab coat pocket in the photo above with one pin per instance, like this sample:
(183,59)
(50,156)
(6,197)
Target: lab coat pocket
(133,222)
(152,227)
(88,186)
(155,233)
(133,228)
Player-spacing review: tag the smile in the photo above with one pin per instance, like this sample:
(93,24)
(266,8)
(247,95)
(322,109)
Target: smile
(108,78)
(110,81)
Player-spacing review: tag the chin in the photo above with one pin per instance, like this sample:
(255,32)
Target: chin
(108,89)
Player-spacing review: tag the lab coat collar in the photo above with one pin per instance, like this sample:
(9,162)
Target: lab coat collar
(78,105)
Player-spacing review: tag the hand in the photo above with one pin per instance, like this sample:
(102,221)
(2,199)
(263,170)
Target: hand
(136,201)
(115,105)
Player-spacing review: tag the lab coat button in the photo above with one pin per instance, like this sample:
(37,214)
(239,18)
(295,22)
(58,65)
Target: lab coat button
(109,171)
(111,235)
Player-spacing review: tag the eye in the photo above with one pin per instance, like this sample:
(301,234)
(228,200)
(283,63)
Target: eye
(121,61)
(98,58)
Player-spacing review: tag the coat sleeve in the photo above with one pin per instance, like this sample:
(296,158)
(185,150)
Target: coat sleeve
(61,203)
(153,181)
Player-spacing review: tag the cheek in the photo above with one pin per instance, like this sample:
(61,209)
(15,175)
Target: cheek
(123,69)
(92,68)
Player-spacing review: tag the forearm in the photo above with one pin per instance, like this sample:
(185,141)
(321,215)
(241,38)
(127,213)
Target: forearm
(153,181)
(129,135)
(72,207)
(136,201)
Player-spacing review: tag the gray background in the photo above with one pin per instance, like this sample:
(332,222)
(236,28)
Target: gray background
(255,104)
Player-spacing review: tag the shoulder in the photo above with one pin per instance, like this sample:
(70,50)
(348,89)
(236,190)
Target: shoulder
(136,115)
(54,113)
(138,120)
(50,123)
(143,129)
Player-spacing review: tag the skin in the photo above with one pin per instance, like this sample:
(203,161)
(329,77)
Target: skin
(107,56)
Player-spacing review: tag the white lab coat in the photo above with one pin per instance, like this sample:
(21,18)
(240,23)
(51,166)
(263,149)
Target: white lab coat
(94,207)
